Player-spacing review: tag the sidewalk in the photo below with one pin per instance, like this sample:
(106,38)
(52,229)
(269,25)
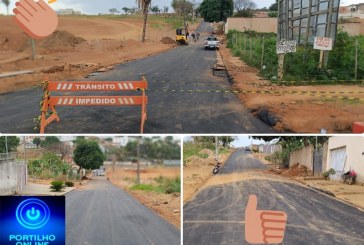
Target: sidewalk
(43,190)
(353,194)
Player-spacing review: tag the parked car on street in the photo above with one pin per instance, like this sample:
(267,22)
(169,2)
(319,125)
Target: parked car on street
(98,172)
(212,42)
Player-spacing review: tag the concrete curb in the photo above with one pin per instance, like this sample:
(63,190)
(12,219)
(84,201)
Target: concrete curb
(321,190)
(331,194)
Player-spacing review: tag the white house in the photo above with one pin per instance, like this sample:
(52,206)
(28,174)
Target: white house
(346,153)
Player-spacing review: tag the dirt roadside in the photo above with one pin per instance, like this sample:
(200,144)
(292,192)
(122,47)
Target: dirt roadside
(197,171)
(352,194)
(73,51)
(287,112)
(168,206)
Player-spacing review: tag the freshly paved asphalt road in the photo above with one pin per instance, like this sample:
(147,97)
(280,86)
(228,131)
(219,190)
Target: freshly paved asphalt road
(240,161)
(184,68)
(104,214)
(217,214)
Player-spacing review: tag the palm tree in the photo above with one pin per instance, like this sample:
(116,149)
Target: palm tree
(7,3)
(144,6)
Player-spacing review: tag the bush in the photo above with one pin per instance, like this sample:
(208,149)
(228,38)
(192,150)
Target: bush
(302,65)
(69,184)
(329,172)
(49,166)
(165,185)
(171,186)
(145,187)
(56,186)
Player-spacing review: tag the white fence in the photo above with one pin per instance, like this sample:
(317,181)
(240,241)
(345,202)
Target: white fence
(13,177)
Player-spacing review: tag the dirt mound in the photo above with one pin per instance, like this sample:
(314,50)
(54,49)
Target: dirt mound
(210,153)
(167,40)
(297,170)
(60,39)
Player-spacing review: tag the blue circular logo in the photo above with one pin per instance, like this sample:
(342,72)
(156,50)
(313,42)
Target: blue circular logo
(32,213)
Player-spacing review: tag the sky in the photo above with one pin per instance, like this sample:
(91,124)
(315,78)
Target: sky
(245,141)
(103,6)
(240,141)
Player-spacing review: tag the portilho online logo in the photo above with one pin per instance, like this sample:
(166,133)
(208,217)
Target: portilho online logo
(32,213)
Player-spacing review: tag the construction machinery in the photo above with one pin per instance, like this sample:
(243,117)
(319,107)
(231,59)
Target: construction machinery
(181,37)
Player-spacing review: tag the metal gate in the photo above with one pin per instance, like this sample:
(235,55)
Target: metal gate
(317,162)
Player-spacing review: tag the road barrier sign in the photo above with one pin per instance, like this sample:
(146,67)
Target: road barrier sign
(50,102)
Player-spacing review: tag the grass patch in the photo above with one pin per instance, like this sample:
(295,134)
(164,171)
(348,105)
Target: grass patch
(145,187)
(193,149)
(303,64)
(155,26)
(344,101)
(130,179)
(163,185)
(203,155)
(169,185)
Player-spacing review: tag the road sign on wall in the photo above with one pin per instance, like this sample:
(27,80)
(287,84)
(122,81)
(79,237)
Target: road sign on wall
(322,43)
(284,47)
(303,20)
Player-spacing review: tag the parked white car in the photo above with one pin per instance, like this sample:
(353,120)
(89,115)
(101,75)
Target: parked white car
(212,42)
(98,172)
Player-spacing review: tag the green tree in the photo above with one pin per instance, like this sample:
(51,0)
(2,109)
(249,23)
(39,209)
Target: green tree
(274,6)
(144,6)
(155,9)
(12,143)
(295,142)
(182,7)
(49,142)
(37,141)
(88,155)
(79,139)
(133,10)
(113,10)
(126,10)
(244,8)
(6,3)
(216,10)
(224,140)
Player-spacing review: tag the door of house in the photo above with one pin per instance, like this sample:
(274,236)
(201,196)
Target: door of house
(337,162)
(317,162)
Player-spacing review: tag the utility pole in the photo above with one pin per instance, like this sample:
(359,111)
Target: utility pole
(216,147)
(113,164)
(32,41)
(138,160)
(6,148)
(356,59)
(184,15)
(25,151)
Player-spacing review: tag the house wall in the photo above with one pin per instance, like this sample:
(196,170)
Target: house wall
(270,25)
(354,152)
(353,29)
(303,156)
(13,177)
(255,24)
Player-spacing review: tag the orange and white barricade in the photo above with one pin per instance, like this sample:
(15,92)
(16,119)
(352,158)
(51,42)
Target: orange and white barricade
(50,102)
